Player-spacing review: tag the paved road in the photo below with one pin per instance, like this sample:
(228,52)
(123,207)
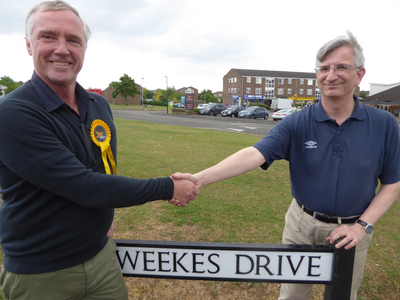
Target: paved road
(258,126)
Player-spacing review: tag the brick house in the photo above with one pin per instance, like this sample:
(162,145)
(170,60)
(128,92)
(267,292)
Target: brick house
(183,89)
(119,100)
(388,100)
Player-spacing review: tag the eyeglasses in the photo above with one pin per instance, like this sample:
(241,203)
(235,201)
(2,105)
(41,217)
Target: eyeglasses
(339,68)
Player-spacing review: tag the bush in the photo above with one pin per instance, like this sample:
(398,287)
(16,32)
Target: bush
(156,103)
(260,104)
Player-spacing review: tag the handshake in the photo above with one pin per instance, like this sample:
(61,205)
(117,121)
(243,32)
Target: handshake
(186,188)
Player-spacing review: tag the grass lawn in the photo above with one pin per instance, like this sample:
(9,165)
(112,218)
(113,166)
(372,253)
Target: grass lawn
(246,209)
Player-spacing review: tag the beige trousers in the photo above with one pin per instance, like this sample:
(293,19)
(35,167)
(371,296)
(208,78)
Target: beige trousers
(301,228)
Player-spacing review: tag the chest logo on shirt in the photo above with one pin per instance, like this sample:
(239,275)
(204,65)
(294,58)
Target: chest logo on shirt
(310,145)
(101,137)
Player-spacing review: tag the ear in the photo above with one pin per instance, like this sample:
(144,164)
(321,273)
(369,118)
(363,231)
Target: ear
(360,75)
(28,47)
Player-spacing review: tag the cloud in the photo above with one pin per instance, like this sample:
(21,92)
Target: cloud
(195,43)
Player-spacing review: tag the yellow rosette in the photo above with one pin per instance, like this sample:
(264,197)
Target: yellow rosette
(101,137)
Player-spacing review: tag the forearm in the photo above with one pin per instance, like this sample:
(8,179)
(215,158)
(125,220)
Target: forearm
(241,162)
(385,197)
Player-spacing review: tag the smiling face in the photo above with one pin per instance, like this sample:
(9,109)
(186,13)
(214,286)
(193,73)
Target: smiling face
(339,84)
(57,46)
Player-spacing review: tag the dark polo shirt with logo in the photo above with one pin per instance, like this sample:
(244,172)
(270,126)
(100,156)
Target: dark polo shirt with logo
(58,201)
(335,169)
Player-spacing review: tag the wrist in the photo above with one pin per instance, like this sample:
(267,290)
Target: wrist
(366,226)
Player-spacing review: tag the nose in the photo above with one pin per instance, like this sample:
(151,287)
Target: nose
(62,48)
(331,74)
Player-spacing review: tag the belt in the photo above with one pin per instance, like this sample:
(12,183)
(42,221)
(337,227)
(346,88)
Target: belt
(327,218)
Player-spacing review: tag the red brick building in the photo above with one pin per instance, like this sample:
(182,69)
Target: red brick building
(119,100)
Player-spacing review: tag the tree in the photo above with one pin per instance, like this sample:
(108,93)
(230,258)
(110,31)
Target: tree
(125,87)
(207,95)
(147,94)
(9,84)
(363,94)
(172,95)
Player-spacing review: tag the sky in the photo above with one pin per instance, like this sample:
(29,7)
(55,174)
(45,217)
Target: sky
(195,43)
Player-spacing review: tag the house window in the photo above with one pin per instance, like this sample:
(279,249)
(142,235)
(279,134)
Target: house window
(289,91)
(235,79)
(289,81)
(258,91)
(318,94)
(229,90)
(309,92)
(249,79)
(301,81)
(310,82)
(258,80)
(280,91)
(235,90)
(281,81)
(248,90)
(270,83)
(269,93)
(301,91)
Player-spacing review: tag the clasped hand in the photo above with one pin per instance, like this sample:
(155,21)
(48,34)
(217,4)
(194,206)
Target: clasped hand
(186,188)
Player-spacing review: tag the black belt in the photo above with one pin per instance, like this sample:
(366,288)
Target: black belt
(326,218)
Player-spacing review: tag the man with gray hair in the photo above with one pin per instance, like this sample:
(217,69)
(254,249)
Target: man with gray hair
(337,150)
(58,173)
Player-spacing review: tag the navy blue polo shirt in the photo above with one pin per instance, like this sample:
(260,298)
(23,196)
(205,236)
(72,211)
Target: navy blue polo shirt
(52,101)
(335,169)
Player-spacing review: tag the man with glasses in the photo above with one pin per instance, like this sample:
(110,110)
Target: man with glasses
(338,149)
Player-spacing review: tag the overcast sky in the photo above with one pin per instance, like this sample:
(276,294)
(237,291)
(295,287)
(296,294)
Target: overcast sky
(195,43)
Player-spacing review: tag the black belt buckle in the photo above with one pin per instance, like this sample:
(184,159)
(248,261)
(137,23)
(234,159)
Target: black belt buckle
(324,218)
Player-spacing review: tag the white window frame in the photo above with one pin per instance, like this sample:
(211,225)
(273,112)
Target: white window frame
(248,90)
(248,79)
(280,91)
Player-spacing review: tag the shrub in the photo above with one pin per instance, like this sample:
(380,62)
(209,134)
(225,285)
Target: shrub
(260,104)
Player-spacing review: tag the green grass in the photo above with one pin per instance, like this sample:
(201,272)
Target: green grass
(247,209)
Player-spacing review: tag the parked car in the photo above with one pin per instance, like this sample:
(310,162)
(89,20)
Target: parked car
(179,105)
(254,112)
(232,111)
(280,114)
(212,109)
(202,105)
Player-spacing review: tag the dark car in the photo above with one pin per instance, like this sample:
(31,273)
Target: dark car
(232,111)
(179,105)
(212,109)
(254,112)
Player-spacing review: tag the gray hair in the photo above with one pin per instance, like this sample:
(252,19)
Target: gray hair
(341,41)
(52,6)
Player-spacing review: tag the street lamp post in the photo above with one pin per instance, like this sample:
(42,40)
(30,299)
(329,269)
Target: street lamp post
(142,92)
(166,90)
